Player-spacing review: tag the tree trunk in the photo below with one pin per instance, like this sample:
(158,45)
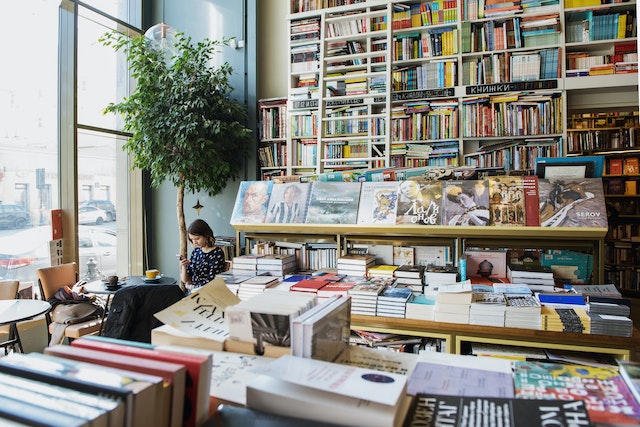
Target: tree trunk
(182,227)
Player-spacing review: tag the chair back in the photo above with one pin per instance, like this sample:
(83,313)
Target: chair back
(9,289)
(50,279)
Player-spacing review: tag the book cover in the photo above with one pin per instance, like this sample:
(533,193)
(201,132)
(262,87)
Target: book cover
(631,166)
(507,200)
(466,203)
(531,200)
(138,391)
(410,271)
(230,374)
(388,361)
(529,270)
(308,285)
(455,293)
(403,255)
(486,263)
(251,202)
(630,372)
(15,412)
(594,385)
(420,202)
(171,400)
(198,368)
(333,203)
(378,202)
(357,259)
(288,203)
(615,166)
(455,411)
(569,202)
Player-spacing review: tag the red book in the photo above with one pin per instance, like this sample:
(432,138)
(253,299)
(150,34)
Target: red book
(308,285)
(531,201)
(170,411)
(615,166)
(56,224)
(198,367)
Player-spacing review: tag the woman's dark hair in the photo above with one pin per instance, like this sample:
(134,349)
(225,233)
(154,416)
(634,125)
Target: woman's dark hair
(200,227)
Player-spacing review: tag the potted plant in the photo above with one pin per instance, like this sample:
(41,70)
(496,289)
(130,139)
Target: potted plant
(185,126)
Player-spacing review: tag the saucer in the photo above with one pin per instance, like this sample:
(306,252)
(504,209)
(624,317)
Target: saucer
(114,287)
(155,279)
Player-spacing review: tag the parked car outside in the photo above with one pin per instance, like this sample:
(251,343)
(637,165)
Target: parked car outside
(89,215)
(14,216)
(99,244)
(105,205)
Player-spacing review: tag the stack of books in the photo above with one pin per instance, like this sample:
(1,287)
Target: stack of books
(392,302)
(421,307)
(332,288)
(538,277)
(246,262)
(355,265)
(311,285)
(438,275)
(487,309)
(619,326)
(411,275)
(266,318)
(453,302)
(574,320)
(256,285)
(384,271)
(522,311)
(277,264)
(364,297)
(609,306)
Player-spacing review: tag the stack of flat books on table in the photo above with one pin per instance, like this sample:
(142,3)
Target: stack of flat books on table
(487,309)
(453,302)
(538,277)
(392,301)
(246,262)
(412,275)
(605,324)
(421,307)
(256,285)
(382,270)
(277,264)
(522,311)
(559,319)
(355,265)
(364,297)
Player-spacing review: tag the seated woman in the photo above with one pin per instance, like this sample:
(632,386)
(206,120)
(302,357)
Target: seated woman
(206,259)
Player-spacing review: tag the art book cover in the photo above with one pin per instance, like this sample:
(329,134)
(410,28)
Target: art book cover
(569,202)
(288,203)
(252,202)
(507,201)
(420,202)
(333,203)
(428,410)
(378,202)
(465,203)
(597,386)
(531,200)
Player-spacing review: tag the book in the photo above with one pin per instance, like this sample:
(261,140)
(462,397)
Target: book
(388,361)
(531,201)
(631,166)
(547,380)
(231,371)
(466,203)
(333,203)
(251,202)
(240,416)
(308,285)
(420,202)
(572,202)
(435,410)
(362,396)
(381,270)
(323,331)
(410,271)
(403,255)
(171,399)
(507,200)
(137,391)
(15,412)
(529,270)
(458,375)
(168,335)
(455,293)
(364,260)
(198,368)
(378,202)
(486,263)
(288,203)
(630,372)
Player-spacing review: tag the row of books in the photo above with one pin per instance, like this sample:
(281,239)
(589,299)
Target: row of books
(499,200)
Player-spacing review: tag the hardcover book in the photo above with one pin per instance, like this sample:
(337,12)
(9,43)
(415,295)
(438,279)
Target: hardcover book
(486,263)
(466,203)
(251,202)
(431,410)
(632,166)
(507,200)
(594,385)
(288,203)
(531,201)
(378,202)
(333,203)
(420,202)
(570,202)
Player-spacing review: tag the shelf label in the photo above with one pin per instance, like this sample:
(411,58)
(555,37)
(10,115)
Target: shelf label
(426,93)
(512,86)
(307,103)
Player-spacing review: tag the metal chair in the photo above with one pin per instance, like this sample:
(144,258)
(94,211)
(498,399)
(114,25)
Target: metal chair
(50,279)
(8,291)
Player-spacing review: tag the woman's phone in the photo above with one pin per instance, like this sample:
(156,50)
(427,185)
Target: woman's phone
(180,257)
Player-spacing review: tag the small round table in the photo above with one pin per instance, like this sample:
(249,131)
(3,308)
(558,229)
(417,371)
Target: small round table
(18,310)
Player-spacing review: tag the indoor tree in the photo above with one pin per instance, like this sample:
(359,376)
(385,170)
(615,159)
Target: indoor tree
(185,126)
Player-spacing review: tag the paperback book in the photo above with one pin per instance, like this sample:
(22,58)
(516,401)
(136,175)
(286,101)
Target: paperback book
(420,202)
(288,203)
(251,202)
(466,203)
(333,203)
(378,202)
(571,202)
(507,201)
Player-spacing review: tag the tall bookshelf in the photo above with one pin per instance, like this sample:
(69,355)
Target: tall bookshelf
(272,131)
(381,83)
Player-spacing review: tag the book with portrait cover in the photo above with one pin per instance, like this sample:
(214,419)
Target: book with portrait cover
(572,202)
(251,203)
(420,202)
(378,202)
(333,203)
(288,203)
(594,385)
(437,410)
(465,203)
(507,200)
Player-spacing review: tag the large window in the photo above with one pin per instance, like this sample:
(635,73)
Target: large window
(57,149)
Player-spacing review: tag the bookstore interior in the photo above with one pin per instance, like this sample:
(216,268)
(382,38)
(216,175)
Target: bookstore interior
(446,226)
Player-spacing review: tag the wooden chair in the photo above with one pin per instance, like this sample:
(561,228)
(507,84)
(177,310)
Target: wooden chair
(50,279)
(8,291)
